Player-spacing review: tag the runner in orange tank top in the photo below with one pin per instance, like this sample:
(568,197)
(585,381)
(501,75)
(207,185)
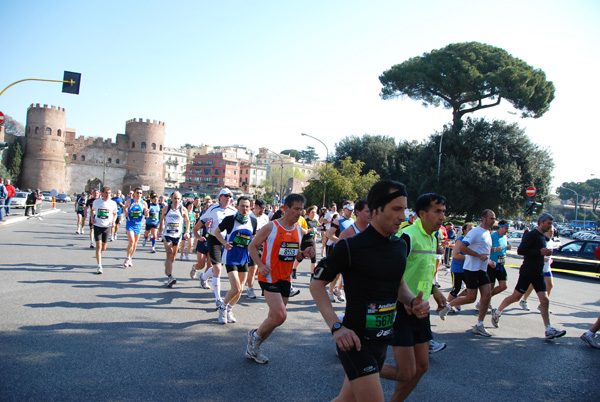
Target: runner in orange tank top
(281,239)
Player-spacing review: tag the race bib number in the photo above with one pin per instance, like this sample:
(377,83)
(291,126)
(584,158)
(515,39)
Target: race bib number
(135,214)
(501,259)
(379,320)
(102,213)
(173,228)
(80,208)
(288,251)
(153,216)
(241,240)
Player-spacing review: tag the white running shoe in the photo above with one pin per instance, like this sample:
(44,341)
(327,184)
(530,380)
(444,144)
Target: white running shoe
(193,272)
(444,312)
(480,330)
(126,263)
(187,256)
(524,305)
(589,339)
(99,270)
(554,333)
(222,315)
(253,349)
(144,242)
(230,317)
(204,283)
(171,281)
(250,293)
(331,296)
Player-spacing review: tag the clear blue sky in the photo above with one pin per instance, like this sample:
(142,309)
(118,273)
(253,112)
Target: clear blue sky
(259,73)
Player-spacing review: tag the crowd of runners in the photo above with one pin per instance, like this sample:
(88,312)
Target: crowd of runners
(382,263)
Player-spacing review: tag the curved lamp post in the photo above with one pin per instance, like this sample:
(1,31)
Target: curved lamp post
(326,160)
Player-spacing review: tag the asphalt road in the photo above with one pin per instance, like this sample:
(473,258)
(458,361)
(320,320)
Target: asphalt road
(67,334)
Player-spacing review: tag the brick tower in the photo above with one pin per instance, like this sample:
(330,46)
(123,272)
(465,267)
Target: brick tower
(145,155)
(44,164)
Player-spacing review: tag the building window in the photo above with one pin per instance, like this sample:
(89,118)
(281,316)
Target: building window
(59,132)
(132,144)
(206,171)
(153,146)
(82,157)
(143,146)
(160,147)
(216,171)
(109,160)
(117,161)
(37,130)
(74,157)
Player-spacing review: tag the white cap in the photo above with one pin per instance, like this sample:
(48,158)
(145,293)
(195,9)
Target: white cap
(224,191)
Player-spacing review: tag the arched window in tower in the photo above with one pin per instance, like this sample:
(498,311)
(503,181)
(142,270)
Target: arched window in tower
(143,146)
(74,157)
(117,161)
(153,146)
(48,131)
(132,144)
(109,160)
(59,133)
(37,130)
(82,158)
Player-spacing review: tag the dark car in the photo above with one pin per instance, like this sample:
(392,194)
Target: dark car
(63,198)
(577,255)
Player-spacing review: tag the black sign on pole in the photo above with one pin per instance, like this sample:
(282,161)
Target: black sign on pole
(71,86)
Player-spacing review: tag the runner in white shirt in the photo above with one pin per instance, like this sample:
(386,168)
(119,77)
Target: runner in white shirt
(104,214)
(477,245)
(213,217)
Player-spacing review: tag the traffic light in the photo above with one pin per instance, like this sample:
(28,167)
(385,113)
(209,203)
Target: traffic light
(537,207)
(72,86)
(528,208)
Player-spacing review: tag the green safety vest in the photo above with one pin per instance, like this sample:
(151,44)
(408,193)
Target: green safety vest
(421,261)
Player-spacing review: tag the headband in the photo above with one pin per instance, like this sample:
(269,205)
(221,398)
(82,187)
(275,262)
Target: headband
(383,201)
(502,226)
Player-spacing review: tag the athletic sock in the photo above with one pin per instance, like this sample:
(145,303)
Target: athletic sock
(479,323)
(548,327)
(229,307)
(207,274)
(153,241)
(217,287)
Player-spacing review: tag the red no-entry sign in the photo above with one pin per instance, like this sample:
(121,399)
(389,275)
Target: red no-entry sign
(1,118)
(530,191)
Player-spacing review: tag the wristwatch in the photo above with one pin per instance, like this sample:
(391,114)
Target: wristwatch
(335,327)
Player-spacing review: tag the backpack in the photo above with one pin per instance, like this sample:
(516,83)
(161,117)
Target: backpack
(3,192)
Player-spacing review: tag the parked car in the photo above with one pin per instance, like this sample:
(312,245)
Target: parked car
(577,255)
(63,198)
(19,200)
(579,234)
(46,196)
(514,239)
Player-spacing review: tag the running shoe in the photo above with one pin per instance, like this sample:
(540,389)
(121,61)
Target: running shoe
(115,237)
(589,339)
(171,281)
(554,333)
(331,296)
(444,312)
(81,230)
(92,245)
(230,317)
(181,257)
(340,296)
(436,284)
(294,291)
(77,231)
(99,270)
(477,305)
(112,239)
(253,349)
(250,293)
(480,330)
(204,283)
(126,262)
(222,315)
(153,250)
(187,256)
(193,272)
(524,305)
(219,303)
(458,308)
(496,314)
(144,242)
(435,347)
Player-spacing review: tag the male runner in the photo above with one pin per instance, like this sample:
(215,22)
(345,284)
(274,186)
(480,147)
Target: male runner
(533,249)
(412,334)
(476,245)
(258,212)
(240,228)
(80,212)
(172,219)
(212,218)
(372,264)
(338,225)
(95,194)
(281,239)
(495,269)
(118,198)
(104,213)
(152,221)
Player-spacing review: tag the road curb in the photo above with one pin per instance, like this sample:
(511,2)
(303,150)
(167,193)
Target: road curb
(9,220)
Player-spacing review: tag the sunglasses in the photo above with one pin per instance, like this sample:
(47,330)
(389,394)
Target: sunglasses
(227,195)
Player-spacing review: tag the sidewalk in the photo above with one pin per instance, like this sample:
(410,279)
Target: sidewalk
(17,215)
